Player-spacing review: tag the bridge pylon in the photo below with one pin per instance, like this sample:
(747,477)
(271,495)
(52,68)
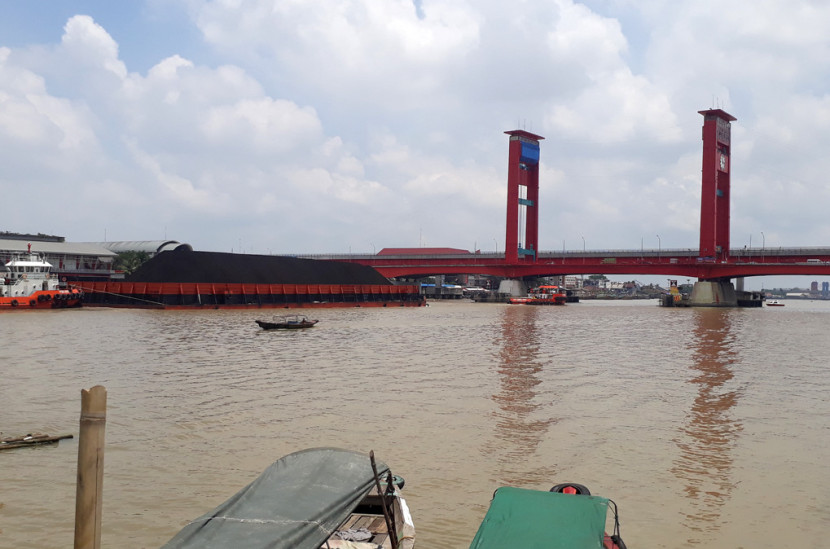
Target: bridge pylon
(522,243)
(714,197)
(714,208)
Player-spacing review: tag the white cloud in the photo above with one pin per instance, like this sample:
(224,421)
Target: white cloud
(352,46)
(87,44)
(37,128)
(265,125)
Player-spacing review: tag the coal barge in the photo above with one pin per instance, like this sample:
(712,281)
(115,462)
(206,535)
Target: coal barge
(185,279)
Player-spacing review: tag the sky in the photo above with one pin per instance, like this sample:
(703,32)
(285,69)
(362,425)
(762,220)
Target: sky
(348,126)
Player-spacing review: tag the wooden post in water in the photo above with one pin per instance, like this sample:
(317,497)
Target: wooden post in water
(90,483)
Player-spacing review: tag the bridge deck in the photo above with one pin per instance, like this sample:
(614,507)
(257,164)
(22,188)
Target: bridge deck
(670,262)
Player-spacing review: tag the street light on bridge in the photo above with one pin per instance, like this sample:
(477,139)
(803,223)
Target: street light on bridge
(583,249)
(763,245)
(659,245)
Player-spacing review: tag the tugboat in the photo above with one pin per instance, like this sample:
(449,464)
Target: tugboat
(543,295)
(28,283)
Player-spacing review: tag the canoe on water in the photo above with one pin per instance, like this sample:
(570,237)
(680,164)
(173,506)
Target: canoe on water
(289,322)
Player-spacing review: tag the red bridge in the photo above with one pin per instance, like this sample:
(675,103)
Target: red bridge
(712,261)
(670,262)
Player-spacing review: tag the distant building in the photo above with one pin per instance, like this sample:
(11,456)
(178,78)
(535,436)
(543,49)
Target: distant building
(70,261)
(150,247)
(79,260)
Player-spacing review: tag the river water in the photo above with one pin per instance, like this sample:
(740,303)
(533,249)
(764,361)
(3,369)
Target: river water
(707,427)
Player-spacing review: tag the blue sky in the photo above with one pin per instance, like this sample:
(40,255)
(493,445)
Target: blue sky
(353,125)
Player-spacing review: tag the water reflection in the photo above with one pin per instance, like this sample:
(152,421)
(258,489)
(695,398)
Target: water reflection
(710,432)
(518,434)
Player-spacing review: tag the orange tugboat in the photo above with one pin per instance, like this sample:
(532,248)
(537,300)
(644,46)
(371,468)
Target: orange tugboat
(28,283)
(543,295)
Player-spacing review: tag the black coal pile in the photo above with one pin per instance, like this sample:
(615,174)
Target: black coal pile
(215,267)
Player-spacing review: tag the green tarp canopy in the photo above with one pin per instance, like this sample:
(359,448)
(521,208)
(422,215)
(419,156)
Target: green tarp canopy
(532,519)
(296,503)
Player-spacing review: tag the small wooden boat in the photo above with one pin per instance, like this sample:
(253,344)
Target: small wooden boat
(318,498)
(566,517)
(288,322)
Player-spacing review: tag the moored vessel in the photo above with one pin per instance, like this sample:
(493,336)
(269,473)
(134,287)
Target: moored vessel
(566,517)
(28,283)
(318,498)
(542,295)
(213,280)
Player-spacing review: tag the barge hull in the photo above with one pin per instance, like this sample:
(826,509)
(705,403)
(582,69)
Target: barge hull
(174,295)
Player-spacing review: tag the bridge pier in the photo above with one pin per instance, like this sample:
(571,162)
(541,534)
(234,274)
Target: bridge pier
(513,288)
(713,293)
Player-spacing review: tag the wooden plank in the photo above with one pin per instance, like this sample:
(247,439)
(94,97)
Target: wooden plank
(349,524)
(30,436)
(30,440)
(378,525)
(363,522)
(374,523)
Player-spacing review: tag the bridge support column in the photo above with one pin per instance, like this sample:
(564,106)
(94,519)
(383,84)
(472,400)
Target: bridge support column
(713,293)
(739,284)
(513,288)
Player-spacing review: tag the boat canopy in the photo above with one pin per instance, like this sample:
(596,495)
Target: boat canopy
(533,519)
(296,503)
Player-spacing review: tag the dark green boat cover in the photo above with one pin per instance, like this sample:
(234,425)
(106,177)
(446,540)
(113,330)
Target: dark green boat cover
(532,519)
(296,503)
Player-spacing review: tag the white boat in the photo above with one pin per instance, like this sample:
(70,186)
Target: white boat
(28,283)
(774,303)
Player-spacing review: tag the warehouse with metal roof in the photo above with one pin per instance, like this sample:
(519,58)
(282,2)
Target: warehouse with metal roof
(151,247)
(80,260)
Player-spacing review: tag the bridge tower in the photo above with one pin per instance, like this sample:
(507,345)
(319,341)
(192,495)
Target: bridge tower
(522,172)
(714,199)
(714,208)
